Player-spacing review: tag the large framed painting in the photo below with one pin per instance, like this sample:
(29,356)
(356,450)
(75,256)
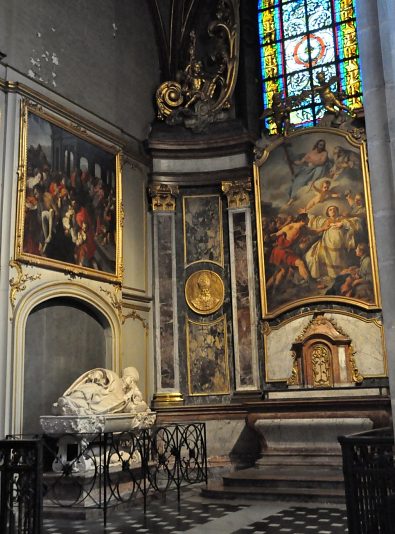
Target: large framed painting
(314,222)
(69,198)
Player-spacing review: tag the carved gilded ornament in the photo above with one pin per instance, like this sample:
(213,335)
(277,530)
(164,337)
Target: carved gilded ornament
(318,322)
(355,374)
(163,196)
(19,283)
(116,303)
(293,380)
(204,292)
(200,95)
(321,366)
(237,193)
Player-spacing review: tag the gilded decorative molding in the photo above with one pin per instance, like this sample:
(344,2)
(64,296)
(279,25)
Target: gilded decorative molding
(237,192)
(358,133)
(266,328)
(198,98)
(19,283)
(355,374)
(163,196)
(293,380)
(116,303)
(320,320)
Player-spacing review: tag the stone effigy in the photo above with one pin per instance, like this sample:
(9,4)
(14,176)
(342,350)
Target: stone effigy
(100,401)
(101,391)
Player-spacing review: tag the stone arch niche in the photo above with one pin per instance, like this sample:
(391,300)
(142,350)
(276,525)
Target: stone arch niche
(60,332)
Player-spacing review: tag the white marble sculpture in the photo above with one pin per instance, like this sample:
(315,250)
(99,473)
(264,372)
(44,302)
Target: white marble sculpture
(102,392)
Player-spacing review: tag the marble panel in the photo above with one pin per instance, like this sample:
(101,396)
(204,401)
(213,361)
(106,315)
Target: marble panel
(243,300)
(165,304)
(208,371)
(203,240)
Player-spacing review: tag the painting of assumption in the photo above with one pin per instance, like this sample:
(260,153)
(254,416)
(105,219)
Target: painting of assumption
(314,222)
(68,209)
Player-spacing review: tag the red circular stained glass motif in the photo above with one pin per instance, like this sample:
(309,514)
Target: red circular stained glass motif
(312,43)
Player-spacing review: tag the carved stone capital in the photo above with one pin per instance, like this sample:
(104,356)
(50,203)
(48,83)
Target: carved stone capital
(163,196)
(237,192)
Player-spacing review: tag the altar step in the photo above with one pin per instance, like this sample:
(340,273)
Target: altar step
(302,475)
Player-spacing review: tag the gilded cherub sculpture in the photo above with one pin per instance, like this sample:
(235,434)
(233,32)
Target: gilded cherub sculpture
(279,113)
(329,99)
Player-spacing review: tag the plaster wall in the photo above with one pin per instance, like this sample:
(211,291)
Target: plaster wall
(100,55)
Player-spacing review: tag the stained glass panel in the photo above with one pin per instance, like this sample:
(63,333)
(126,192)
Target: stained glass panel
(319,14)
(300,38)
(294,18)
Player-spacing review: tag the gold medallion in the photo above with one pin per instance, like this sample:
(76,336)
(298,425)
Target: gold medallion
(204,292)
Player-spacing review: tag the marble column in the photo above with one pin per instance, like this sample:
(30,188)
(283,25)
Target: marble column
(166,318)
(375,22)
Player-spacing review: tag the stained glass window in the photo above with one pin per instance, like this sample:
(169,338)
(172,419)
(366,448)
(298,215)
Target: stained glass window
(300,38)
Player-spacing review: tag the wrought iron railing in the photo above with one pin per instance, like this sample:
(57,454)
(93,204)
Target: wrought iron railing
(369,476)
(20,486)
(106,469)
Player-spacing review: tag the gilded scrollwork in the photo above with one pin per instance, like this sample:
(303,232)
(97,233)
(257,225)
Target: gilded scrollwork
(203,89)
(18,283)
(355,374)
(293,380)
(237,192)
(116,303)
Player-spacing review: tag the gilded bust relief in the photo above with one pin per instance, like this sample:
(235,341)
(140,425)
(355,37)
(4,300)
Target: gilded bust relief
(204,292)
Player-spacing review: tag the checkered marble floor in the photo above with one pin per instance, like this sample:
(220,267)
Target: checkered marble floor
(195,515)
(299,520)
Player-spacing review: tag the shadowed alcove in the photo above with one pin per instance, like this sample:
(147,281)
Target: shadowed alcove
(64,338)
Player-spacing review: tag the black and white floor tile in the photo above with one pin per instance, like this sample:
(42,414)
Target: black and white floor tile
(197,515)
(300,520)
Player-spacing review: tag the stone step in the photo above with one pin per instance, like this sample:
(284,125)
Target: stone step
(290,460)
(280,476)
(322,495)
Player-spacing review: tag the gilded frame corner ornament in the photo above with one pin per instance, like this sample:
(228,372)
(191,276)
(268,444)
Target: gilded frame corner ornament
(355,148)
(36,254)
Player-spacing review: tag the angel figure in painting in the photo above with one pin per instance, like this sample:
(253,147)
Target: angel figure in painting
(329,99)
(323,193)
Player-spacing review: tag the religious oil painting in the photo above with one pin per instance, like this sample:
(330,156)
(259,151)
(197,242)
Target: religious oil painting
(314,222)
(208,371)
(69,199)
(203,239)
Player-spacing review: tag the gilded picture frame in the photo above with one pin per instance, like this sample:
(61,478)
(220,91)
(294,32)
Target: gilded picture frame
(314,222)
(69,214)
